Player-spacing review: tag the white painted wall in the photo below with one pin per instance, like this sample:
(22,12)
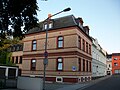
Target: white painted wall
(98,60)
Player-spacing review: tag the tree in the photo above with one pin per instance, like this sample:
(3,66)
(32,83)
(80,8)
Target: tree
(5,54)
(17,14)
(5,57)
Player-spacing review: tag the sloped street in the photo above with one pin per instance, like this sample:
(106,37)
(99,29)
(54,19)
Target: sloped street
(112,83)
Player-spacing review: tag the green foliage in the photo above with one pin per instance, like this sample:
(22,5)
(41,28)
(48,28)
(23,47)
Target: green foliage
(5,43)
(17,14)
(5,58)
(4,53)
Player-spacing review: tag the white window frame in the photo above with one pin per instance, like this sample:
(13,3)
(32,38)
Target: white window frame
(59,78)
(60,42)
(49,26)
(34,45)
(115,58)
(59,62)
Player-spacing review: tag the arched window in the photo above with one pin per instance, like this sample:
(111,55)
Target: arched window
(34,45)
(59,64)
(60,42)
(33,64)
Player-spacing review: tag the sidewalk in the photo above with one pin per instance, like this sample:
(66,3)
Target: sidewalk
(77,86)
(80,86)
(73,87)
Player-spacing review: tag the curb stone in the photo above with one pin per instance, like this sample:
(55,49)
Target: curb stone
(93,82)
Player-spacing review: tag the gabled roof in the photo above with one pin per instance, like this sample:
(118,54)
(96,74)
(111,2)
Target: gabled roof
(62,22)
(115,54)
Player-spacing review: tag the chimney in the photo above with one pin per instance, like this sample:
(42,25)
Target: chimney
(49,16)
(86,29)
(80,20)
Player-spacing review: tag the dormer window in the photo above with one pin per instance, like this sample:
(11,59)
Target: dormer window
(50,25)
(80,25)
(45,26)
(86,29)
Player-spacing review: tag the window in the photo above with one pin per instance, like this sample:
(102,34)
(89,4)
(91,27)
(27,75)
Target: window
(90,66)
(60,42)
(49,26)
(16,60)
(33,64)
(13,48)
(79,42)
(59,64)
(20,60)
(115,58)
(90,49)
(80,64)
(12,59)
(17,48)
(86,47)
(86,65)
(83,64)
(59,79)
(45,26)
(83,45)
(34,45)
(115,64)
(116,71)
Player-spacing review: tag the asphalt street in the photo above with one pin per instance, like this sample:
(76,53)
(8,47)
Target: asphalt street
(112,83)
(104,83)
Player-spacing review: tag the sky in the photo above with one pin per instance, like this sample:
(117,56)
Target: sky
(102,17)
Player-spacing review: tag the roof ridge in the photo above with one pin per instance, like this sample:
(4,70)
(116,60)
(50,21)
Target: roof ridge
(63,17)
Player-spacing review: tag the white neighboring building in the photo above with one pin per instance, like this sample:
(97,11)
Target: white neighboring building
(109,64)
(98,60)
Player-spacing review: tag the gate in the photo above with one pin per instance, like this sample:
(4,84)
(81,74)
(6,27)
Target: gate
(8,77)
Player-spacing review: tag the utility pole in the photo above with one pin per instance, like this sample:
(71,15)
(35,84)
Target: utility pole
(45,61)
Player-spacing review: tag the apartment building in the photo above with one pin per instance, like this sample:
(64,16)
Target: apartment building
(115,63)
(98,60)
(68,47)
(109,64)
(17,54)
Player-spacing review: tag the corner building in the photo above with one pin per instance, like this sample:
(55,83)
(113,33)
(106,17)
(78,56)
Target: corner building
(68,47)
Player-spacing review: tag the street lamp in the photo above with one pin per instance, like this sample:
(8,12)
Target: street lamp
(45,61)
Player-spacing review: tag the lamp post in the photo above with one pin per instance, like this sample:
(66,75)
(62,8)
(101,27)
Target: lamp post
(45,61)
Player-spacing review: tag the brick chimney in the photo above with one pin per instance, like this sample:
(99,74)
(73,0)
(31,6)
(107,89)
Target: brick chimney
(49,16)
(86,29)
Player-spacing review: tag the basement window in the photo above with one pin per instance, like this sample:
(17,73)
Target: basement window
(59,79)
